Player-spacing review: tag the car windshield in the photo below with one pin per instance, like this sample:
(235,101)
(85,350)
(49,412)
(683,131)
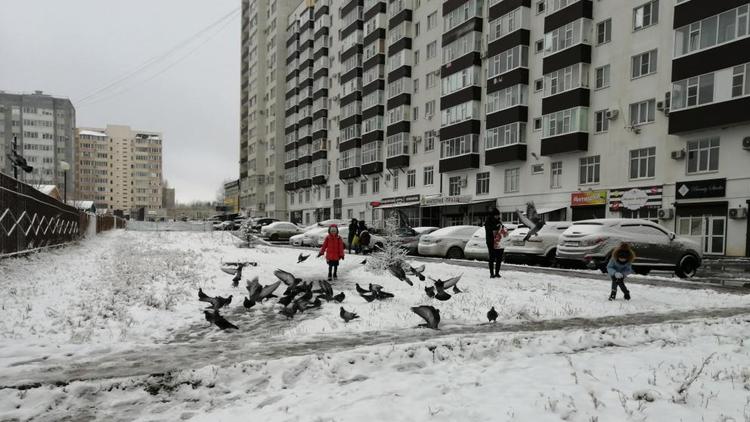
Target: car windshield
(586,228)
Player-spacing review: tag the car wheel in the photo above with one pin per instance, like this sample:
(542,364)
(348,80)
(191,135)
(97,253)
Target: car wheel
(274,237)
(550,260)
(687,267)
(455,253)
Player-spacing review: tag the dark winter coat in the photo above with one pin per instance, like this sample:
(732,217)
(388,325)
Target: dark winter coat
(615,266)
(353,231)
(333,247)
(491,226)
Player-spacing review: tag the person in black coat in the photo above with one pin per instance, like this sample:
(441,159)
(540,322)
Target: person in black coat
(492,226)
(353,231)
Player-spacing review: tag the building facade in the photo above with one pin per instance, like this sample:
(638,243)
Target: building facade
(43,127)
(232,196)
(589,109)
(120,169)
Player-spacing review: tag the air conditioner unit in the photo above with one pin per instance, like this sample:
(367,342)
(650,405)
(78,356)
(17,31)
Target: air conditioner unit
(737,213)
(746,143)
(428,116)
(666,213)
(678,155)
(660,105)
(416,139)
(612,114)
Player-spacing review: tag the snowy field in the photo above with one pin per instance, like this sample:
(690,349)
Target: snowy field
(136,292)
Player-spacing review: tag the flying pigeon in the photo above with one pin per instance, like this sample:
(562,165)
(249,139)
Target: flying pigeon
(429,314)
(492,315)
(267,291)
(20,161)
(417,272)
(287,277)
(346,315)
(253,289)
(216,318)
(441,294)
(451,281)
(531,220)
(456,290)
(216,302)
(302,258)
(430,291)
(399,273)
(247,303)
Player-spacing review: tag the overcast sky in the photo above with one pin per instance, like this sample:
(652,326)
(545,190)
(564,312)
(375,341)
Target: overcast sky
(72,48)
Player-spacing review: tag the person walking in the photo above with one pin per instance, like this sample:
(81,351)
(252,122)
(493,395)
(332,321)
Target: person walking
(619,267)
(333,248)
(353,228)
(494,230)
(361,228)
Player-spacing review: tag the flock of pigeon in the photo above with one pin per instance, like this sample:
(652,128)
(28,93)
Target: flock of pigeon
(300,295)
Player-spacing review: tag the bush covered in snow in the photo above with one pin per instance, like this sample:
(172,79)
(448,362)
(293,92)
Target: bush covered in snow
(392,251)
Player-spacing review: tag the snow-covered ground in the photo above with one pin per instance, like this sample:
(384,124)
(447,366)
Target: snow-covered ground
(127,291)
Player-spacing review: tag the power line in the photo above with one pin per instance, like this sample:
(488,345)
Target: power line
(159,58)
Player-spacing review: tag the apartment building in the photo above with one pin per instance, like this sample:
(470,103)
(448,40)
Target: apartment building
(120,169)
(587,108)
(43,127)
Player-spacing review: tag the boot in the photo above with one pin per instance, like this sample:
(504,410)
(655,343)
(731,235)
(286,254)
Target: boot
(627,294)
(335,275)
(612,295)
(492,270)
(497,270)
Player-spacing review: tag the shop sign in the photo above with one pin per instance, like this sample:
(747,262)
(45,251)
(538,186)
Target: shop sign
(710,188)
(635,198)
(396,200)
(588,198)
(446,200)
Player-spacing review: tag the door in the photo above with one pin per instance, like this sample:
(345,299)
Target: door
(715,235)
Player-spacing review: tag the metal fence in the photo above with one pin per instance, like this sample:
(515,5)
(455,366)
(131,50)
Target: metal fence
(177,226)
(29,219)
(109,222)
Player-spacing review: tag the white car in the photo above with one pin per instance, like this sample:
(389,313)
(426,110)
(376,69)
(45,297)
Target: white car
(447,242)
(279,230)
(539,249)
(376,241)
(476,247)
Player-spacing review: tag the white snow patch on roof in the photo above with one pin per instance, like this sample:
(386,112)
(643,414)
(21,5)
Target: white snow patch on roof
(93,133)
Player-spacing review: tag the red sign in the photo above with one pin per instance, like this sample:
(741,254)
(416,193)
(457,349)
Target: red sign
(375,204)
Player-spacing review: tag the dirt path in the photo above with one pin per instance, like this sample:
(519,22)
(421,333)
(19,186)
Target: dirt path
(195,351)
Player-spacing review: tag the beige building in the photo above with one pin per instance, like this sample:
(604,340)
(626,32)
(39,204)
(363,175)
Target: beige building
(119,168)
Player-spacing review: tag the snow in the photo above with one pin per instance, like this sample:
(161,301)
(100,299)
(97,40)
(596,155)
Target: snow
(93,133)
(136,292)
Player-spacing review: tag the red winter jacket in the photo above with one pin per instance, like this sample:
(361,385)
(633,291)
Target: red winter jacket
(333,247)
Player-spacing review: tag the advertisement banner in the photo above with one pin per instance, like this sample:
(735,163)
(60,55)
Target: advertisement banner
(588,198)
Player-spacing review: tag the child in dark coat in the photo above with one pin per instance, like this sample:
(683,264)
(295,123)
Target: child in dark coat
(333,248)
(619,267)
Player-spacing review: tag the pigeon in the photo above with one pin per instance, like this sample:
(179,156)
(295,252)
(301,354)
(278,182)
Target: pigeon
(451,281)
(492,315)
(368,297)
(456,290)
(378,292)
(441,294)
(430,291)
(360,290)
(20,161)
(339,297)
(216,302)
(238,275)
(289,311)
(287,277)
(346,315)
(364,261)
(316,304)
(429,314)
(302,258)
(325,289)
(253,289)
(286,300)
(375,287)
(267,291)
(221,322)
(247,303)
(531,220)
(399,273)
(417,272)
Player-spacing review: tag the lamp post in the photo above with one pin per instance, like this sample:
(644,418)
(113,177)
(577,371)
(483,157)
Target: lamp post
(64,166)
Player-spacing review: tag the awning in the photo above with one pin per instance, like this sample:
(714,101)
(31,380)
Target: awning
(549,209)
(399,205)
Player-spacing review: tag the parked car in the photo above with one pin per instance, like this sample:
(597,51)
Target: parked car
(447,242)
(279,230)
(591,242)
(540,249)
(410,236)
(309,237)
(376,241)
(224,225)
(259,223)
(476,247)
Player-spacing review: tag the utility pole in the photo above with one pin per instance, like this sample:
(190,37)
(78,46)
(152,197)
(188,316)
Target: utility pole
(15,148)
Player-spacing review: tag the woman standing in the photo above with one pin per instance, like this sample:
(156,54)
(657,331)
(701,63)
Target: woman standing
(353,229)
(493,229)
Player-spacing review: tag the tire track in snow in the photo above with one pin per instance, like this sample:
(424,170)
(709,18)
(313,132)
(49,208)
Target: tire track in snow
(236,347)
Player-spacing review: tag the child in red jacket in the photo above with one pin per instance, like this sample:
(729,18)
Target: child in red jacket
(333,247)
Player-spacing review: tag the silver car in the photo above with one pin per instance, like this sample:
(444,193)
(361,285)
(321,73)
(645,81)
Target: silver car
(447,242)
(279,230)
(540,249)
(590,242)
(476,247)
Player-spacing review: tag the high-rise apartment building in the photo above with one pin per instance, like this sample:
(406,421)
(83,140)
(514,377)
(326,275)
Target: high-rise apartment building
(440,109)
(119,169)
(43,127)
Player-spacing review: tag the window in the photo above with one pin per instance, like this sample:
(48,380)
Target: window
(589,170)
(642,112)
(512,180)
(460,80)
(454,185)
(411,178)
(703,155)
(555,175)
(415,84)
(350,213)
(507,23)
(431,20)
(643,64)
(602,77)
(693,91)
(507,98)
(539,9)
(643,163)
(395,181)
(372,152)
(336,191)
(328,192)
(396,145)
(538,85)
(508,60)
(741,80)
(646,15)
(711,31)
(429,141)
(483,183)
(454,147)
(429,109)
(416,29)
(567,36)
(510,134)
(471,41)
(565,79)
(363,187)
(461,112)
(604,31)
(565,121)
(428,176)
(539,46)
(416,57)
(601,121)
(375,184)
(431,49)
(537,123)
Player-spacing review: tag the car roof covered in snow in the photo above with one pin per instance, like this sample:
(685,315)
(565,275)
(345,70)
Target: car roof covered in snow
(613,221)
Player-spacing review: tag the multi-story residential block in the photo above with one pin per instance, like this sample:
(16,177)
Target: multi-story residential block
(120,169)
(232,196)
(43,127)
(587,108)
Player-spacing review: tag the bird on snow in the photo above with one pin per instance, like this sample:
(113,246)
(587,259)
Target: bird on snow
(253,288)
(286,300)
(430,291)
(492,315)
(364,261)
(339,297)
(369,297)
(429,314)
(238,275)
(399,273)
(302,258)
(346,315)
(287,277)
(267,291)
(379,293)
(216,302)
(417,271)
(289,311)
(530,219)
(456,290)
(440,293)
(216,318)
(360,290)
(315,304)
(247,303)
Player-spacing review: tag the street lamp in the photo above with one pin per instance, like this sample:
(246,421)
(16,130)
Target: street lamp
(64,166)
